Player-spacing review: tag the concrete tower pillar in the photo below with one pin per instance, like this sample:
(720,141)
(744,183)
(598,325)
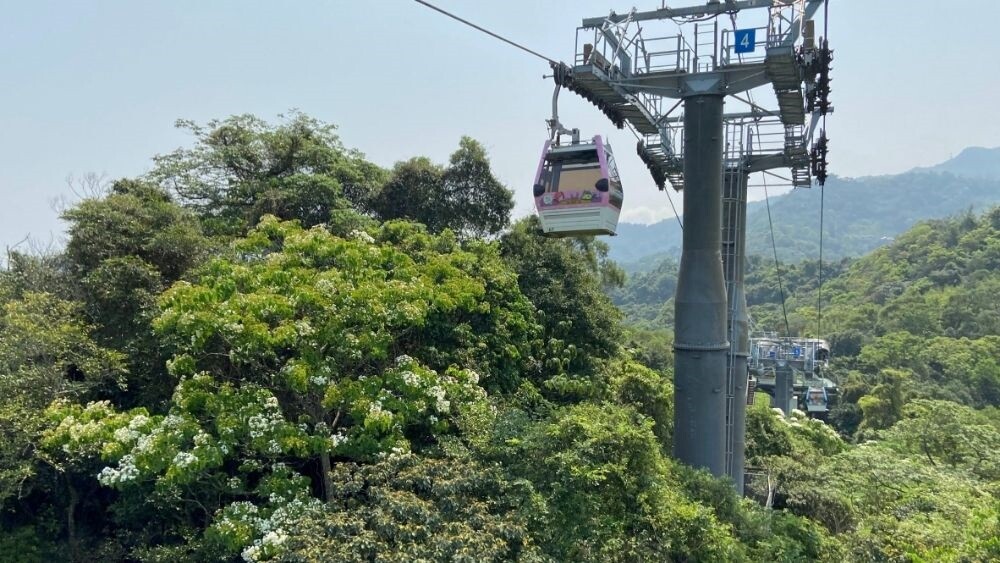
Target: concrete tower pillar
(700,303)
(783,382)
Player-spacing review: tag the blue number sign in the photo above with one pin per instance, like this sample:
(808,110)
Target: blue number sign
(746,40)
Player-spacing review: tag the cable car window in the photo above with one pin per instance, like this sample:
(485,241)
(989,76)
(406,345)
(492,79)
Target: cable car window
(575,177)
(613,170)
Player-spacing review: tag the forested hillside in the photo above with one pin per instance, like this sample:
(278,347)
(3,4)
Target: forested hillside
(271,349)
(920,303)
(914,332)
(861,213)
(925,305)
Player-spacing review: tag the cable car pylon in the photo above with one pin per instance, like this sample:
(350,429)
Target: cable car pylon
(628,73)
(627,76)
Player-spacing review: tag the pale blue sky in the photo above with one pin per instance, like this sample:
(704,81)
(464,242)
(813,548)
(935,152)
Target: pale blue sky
(96,86)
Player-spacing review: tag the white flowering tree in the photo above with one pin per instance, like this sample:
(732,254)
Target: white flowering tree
(302,351)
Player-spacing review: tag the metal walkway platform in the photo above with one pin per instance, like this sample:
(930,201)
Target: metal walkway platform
(596,82)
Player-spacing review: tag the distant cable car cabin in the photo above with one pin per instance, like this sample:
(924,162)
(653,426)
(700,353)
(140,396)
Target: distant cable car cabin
(577,189)
(817,400)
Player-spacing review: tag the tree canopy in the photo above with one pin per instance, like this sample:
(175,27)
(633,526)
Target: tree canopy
(271,349)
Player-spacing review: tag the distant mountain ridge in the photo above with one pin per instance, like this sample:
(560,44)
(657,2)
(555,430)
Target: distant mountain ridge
(861,213)
(973,162)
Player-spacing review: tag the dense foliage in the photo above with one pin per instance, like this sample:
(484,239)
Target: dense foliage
(271,349)
(909,473)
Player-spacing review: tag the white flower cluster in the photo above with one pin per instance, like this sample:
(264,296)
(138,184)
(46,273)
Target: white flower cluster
(473,376)
(375,409)
(362,236)
(235,514)
(403,359)
(79,432)
(264,545)
(303,327)
(326,286)
(172,421)
(184,459)
(410,378)
(138,421)
(273,447)
(270,530)
(202,439)
(377,412)
(260,424)
(440,403)
(126,435)
(126,471)
(146,442)
(339,438)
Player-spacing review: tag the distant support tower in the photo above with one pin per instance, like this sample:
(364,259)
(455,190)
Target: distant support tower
(628,74)
(734,214)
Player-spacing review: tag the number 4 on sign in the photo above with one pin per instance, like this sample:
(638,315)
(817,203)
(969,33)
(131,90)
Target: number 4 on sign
(746,40)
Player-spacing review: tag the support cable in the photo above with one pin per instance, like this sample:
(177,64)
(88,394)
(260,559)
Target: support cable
(676,215)
(777,265)
(819,290)
(486,31)
(819,298)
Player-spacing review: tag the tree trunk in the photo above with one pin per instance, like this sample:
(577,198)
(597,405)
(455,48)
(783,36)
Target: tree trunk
(71,520)
(324,462)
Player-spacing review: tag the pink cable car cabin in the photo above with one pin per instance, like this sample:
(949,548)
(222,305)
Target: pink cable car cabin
(577,189)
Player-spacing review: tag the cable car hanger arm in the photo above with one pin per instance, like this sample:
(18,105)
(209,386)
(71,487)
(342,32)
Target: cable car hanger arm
(555,127)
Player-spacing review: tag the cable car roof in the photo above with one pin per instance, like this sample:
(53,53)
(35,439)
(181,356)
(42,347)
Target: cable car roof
(577,153)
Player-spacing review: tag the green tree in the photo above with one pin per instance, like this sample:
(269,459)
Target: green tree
(46,353)
(948,433)
(564,279)
(883,405)
(125,248)
(464,196)
(319,319)
(242,168)
(42,272)
(133,219)
(610,493)
(412,509)
(414,191)
(480,203)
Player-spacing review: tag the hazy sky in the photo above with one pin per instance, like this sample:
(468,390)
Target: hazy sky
(96,86)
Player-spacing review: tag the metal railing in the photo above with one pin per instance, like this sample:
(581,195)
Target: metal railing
(664,54)
(767,136)
(601,53)
(765,352)
(653,54)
